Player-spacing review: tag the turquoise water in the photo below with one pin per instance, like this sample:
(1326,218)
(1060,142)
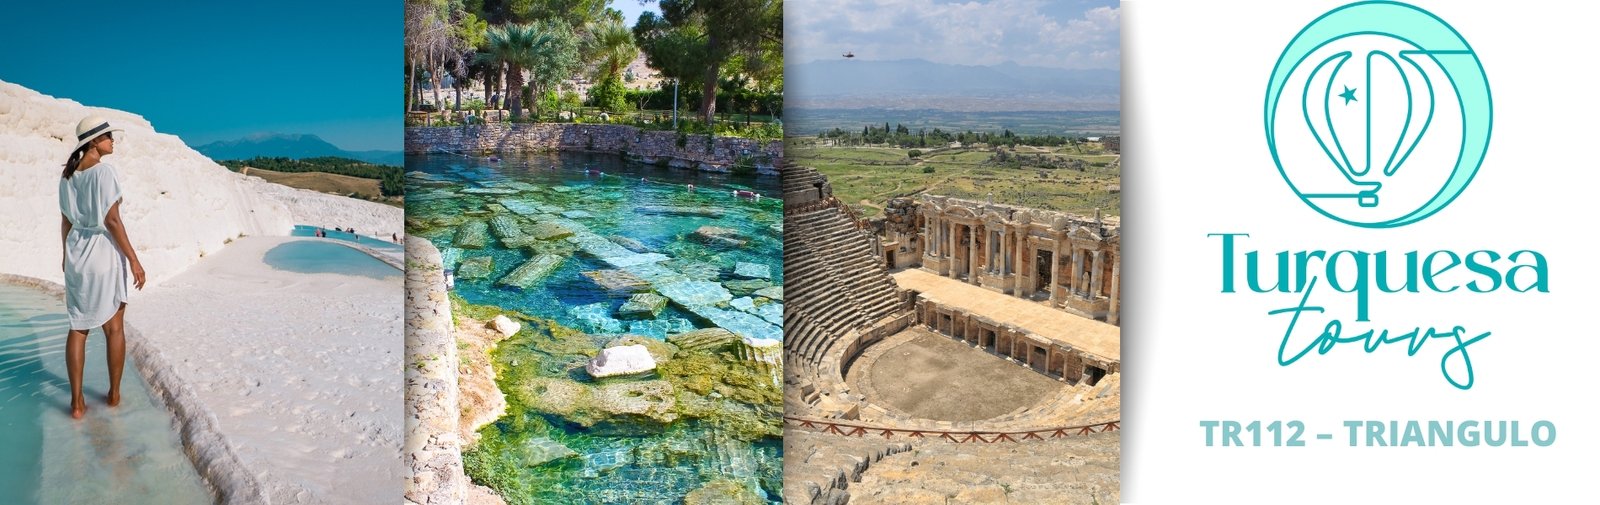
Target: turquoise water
(624,221)
(315,257)
(301,230)
(128,454)
(607,207)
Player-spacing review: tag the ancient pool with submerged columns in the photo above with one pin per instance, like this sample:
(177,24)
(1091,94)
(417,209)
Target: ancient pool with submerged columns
(591,251)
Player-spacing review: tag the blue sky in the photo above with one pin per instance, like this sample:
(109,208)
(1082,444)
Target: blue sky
(631,9)
(209,71)
(1046,33)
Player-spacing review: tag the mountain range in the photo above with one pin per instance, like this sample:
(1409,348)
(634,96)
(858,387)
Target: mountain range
(292,145)
(922,84)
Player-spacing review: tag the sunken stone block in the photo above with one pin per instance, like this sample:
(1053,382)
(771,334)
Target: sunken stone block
(642,306)
(745,270)
(472,235)
(530,273)
(476,267)
(617,280)
(719,236)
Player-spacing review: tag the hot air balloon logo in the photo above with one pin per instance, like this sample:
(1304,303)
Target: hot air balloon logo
(1378,114)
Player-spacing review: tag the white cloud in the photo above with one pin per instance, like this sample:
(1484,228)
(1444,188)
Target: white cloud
(962,32)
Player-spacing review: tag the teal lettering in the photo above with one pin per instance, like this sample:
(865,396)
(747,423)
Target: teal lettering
(1541,273)
(1483,268)
(1429,272)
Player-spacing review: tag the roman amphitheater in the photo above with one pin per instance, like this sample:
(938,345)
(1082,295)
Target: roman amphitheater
(953,351)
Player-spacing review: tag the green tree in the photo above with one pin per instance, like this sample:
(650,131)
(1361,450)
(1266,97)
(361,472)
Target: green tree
(609,95)
(427,35)
(692,39)
(554,60)
(499,54)
(547,50)
(472,34)
(609,44)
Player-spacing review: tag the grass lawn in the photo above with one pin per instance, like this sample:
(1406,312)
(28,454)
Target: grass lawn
(866,177)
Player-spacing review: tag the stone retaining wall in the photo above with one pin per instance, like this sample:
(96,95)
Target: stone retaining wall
(433,447)
(701,152)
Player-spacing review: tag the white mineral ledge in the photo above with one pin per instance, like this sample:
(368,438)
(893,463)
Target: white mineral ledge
(761,342)
(505,325)
(621,360)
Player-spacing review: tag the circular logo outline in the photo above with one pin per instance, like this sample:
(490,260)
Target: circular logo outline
(1384,17)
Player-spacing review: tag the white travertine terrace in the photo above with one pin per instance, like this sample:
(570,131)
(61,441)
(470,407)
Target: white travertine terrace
(182,210)
(178,204)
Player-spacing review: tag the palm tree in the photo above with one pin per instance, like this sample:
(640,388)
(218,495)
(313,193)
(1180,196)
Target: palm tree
(517,45)
(494,54)
(610,44)
(507,46)
(547,50)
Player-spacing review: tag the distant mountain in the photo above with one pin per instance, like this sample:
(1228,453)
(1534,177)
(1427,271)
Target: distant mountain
(922,84)
(292,145)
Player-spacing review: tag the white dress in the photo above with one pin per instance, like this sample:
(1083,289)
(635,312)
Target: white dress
(97,274)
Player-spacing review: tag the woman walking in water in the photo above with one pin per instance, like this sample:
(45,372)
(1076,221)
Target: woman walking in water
(96,256)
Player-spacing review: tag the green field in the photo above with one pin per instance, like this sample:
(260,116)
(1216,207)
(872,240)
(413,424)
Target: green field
(866,177)
(805,121)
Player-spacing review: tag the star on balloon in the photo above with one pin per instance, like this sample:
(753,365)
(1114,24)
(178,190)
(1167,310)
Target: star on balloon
(1348,95)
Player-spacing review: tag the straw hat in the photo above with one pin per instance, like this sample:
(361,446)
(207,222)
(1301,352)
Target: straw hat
(90,128)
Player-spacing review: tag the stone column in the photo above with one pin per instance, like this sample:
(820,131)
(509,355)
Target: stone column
(974,267)
(944,245)
(1112,316)
(948,249)
(972,254)
(1021,253)
(1077,269)
(1011,350)
(1005,251)
(927,235)
(1055,277)
(1095,277)
(997,248)
(1049,357)
(988,249)
(950,240)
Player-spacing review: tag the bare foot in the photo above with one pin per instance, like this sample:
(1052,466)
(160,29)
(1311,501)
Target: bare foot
(79,407)
(114,398)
